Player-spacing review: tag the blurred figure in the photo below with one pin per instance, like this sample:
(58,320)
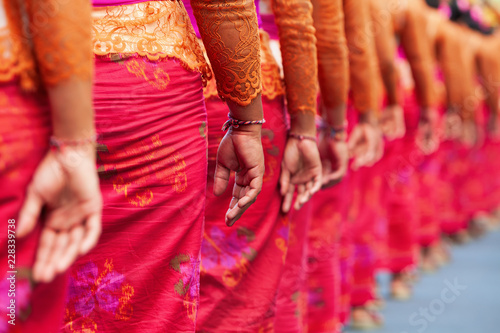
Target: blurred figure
(151,120)
(50,202)
(242,266)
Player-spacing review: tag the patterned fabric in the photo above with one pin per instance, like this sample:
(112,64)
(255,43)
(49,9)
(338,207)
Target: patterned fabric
(242,266)
(229,30)
(152,169)
(154,29)
(55,46)
(292,299)
(38,307)
(323,265)
(402,183)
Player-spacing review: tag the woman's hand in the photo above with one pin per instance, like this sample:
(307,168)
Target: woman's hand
(428,131)
(365,143)
(392,122)
(241,151)
(452,123)
(301,168)
(334,159)
(67,186)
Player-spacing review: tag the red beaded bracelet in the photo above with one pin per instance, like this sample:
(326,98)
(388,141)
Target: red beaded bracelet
(231,122)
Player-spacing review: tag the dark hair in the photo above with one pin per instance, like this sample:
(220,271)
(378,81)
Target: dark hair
(465,17)
(433,3)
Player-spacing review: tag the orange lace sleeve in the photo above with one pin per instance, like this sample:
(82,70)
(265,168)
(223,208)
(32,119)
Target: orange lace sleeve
(16,54)
(62,43)
(362,56)
(417,49)
(333,62)
(385,46)
(298,51)
(60,33)
(230,33)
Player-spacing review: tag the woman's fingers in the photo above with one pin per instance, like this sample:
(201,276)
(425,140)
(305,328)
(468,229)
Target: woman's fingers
(301,195)
(287,200)
(61,242)
(72,250)
(221,179)
(92,232)
(29,213)
(284,179)
(245,196)
(47,239)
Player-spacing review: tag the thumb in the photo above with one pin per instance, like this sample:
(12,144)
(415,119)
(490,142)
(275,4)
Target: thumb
(221,179)
(284,179)
(30,212)
(353,138)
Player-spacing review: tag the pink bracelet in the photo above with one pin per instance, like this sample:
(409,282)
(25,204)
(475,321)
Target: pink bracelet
(236,123)
(301,137)
(61,144)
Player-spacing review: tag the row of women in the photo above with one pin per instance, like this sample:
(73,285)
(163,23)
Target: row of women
(355,134)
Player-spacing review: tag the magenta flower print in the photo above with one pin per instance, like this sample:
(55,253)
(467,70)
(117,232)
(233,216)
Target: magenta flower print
(226,250)
(89,290)
(188,285)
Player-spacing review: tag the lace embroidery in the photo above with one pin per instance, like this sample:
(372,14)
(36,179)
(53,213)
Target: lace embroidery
(333,65)
(15,54)
(298,50)
(9,64)
(154,29)
(230,33)
(272,83)
(59,37)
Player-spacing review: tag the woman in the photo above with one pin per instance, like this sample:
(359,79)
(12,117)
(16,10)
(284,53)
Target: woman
(242,267)
(46,102)
(150,115)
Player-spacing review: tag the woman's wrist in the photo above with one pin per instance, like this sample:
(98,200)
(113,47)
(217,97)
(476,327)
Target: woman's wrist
(303,124)
(368,117)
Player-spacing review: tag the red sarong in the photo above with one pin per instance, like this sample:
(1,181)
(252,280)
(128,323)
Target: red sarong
(143,276)
(25,128)
(242,265)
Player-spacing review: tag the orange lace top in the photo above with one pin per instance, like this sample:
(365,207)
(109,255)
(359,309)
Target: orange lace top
(152,29)
(333,65)
(362,56)
(385,46)
(229,30)
(298,51)
(272,83)
(162,29)
(57,48)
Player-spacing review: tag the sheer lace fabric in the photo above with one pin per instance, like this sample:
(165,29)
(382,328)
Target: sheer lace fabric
(298,50)
(55,33)
(153,29)
(362,55)
(272,83)
(230,33)
(333,74)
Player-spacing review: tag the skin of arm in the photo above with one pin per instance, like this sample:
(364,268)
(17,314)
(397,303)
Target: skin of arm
(65,182)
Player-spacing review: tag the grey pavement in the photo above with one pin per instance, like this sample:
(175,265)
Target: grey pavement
(462,297)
